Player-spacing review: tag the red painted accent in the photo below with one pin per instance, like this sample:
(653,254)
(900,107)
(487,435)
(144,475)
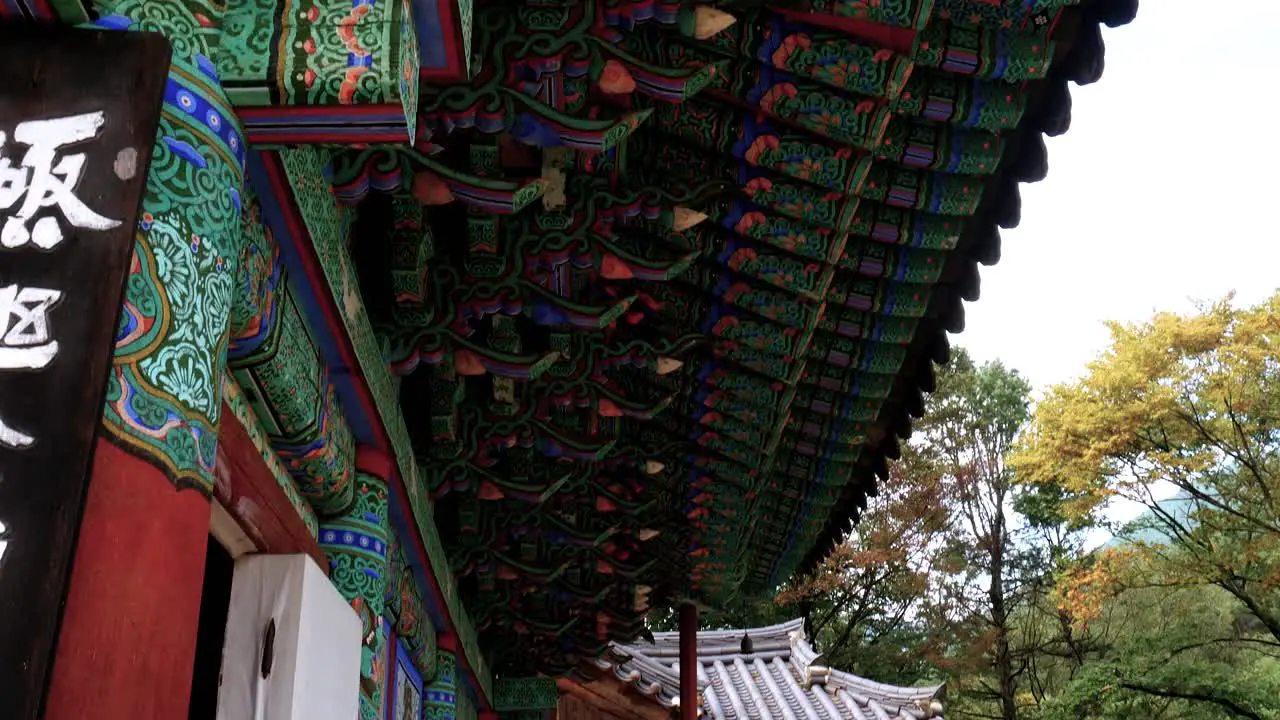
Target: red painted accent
(272,125)
(451,30)
(447,642)
(334,111)
(899,39)
(389,668)
(42,10)
(688,662)
(128,638)
(250,493)
(487,715)
(375,461)
(436,76)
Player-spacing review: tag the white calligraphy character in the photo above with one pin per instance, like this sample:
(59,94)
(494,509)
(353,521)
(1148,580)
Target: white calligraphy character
(24,341)
(24,327)
(14,439)
(46,184)
(3,545)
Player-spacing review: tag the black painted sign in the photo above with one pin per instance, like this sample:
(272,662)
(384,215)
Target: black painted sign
(78,117)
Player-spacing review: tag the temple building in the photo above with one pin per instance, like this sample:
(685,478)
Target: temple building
(762,673)
(438,342)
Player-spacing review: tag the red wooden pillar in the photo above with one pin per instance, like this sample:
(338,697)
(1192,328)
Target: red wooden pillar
(688,662)
(128,637)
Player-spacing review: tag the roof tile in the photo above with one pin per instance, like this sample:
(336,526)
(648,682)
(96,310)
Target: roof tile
(782,678)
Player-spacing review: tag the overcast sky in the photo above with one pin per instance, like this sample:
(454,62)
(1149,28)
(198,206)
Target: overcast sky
(1166,190)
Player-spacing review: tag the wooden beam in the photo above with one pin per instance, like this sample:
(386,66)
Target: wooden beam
(227,531)
(251,495)
(643,705)
(612,704)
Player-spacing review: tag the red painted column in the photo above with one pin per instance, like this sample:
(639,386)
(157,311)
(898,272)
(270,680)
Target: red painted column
(688,662)
(128,637)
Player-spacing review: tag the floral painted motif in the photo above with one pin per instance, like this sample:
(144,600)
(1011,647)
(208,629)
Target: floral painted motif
(836,61)
(164,394)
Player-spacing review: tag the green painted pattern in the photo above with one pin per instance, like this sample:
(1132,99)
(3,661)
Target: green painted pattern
(525,694)
(404,606)
(409,59)
(466,18)
(442,697)
(275,359)
(327,229)
(298,53)
(356,544)
(164,393)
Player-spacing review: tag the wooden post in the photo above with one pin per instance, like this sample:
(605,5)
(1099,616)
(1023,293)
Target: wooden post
(133,607)
(688,662)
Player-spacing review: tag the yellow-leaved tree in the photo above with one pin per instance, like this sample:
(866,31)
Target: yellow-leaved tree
(1191,401)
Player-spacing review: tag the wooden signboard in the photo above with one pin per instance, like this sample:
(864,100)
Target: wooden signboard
(78,117)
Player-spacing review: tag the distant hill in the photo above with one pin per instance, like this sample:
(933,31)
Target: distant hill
(1148,528)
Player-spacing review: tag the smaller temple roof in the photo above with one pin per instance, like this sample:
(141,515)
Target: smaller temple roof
(775,675)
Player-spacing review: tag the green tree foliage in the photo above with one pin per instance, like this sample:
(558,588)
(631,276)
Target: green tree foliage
(1170,653)
(977,413)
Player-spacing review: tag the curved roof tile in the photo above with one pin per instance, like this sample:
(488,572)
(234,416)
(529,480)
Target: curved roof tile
(781,678)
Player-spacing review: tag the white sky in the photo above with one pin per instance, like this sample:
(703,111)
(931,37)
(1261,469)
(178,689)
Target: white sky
(1165,190)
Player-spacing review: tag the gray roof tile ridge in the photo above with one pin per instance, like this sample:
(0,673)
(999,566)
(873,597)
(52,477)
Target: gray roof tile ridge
(782,678)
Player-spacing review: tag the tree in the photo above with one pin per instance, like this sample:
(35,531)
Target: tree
(942,565)
(1172,652)
(1191,401)
(978,412)
(861,603)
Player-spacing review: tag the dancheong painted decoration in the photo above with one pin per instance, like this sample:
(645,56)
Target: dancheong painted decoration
(664,285)
(533,315)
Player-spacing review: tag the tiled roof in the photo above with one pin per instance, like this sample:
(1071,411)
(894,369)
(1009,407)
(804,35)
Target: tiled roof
(776,676)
